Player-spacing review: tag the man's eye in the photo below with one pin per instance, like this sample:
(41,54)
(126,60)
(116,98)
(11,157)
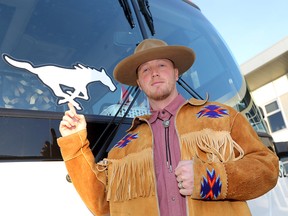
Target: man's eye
(143,70)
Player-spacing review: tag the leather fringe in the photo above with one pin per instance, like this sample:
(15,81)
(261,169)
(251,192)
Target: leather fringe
(131,177)
(218,146)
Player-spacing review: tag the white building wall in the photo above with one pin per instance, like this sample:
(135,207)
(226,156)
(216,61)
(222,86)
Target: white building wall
(276,90)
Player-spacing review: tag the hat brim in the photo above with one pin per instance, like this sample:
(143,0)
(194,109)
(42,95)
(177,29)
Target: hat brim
(125,71)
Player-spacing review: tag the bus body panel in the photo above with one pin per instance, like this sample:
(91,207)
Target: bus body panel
(26,191)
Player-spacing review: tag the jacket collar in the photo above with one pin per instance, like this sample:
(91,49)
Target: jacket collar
(196,102)
(170,108)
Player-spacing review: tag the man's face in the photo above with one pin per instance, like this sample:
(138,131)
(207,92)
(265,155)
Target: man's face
(157,78)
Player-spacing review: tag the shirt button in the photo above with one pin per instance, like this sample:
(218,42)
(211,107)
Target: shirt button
(173,199)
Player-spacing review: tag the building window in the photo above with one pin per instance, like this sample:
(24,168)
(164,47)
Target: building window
(275,117)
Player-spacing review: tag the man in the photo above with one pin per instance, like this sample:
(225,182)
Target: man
(186,158)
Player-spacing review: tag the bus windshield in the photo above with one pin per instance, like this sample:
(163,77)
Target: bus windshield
(51,56)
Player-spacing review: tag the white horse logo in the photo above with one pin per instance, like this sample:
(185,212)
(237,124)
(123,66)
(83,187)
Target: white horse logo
(76,78)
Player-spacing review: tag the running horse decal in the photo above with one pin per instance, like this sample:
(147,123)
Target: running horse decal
(76,79)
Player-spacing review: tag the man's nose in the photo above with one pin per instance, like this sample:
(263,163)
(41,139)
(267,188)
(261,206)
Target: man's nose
(154,72)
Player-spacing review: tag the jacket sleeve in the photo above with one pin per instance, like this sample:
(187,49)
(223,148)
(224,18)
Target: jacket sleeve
(257,172)
(88,178)
(247,178)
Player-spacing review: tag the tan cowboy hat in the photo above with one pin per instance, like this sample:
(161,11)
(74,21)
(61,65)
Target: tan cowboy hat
(151,49)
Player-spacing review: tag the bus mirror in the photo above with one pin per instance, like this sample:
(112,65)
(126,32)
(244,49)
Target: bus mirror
(281,149)
(261,111)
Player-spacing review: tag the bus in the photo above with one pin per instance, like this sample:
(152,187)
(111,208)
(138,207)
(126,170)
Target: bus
(56,51)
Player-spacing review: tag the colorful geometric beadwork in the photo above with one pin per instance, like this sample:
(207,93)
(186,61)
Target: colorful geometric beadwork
(125,140)
(212,111)
(210,186)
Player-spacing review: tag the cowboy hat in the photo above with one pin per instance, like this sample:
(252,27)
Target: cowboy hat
(151,49)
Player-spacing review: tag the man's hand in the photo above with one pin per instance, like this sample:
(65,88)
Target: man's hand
(185,177)
(71,122)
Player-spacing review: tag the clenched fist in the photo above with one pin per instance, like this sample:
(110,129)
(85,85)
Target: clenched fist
(184,173)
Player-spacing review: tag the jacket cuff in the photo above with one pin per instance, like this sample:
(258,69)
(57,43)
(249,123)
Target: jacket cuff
(71,145)
(210,181)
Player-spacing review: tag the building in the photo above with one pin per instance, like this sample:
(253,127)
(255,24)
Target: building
(267,78)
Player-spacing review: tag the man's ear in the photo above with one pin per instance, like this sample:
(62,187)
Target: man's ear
(176,73)
(138,83)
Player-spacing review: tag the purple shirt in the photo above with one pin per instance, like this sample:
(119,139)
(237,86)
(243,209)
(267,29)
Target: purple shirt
(171,202)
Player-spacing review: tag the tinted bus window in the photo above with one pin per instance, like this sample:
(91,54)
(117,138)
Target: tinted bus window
(54,52)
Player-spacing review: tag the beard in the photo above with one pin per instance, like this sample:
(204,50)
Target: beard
(160,94)
(159,97)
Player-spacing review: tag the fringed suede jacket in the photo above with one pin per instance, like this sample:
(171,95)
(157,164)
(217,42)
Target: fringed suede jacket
(231,165)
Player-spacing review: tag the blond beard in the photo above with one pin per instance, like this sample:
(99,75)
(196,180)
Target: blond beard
(160,96)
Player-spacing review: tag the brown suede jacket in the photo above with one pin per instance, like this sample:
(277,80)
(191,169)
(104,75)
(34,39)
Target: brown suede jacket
(231,165)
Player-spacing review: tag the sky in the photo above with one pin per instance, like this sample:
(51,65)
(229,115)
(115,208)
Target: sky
(248,26)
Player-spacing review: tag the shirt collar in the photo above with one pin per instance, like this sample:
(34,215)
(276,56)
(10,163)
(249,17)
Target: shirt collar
(170,108)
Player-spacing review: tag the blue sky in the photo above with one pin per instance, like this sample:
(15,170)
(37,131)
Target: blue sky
(247,26)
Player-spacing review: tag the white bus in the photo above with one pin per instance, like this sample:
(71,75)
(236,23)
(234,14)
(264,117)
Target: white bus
(55,51)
